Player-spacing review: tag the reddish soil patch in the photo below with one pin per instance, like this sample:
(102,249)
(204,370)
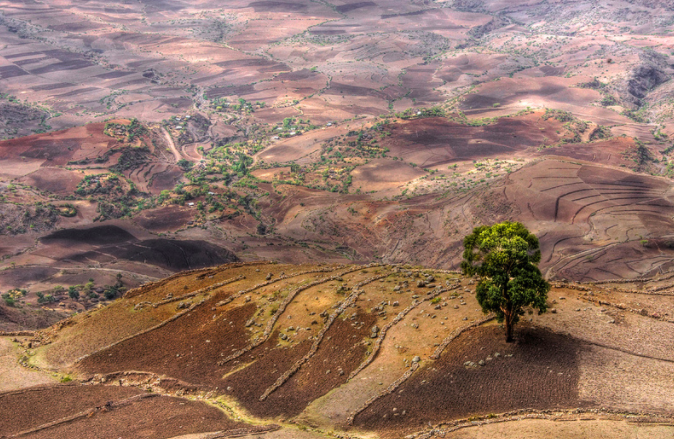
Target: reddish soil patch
(381,174)
(166,180)
(59,147)
(165,218)
(541,374)
(609,152)
(272,6)
(57,181)
(436,141)
(25,275)
(351,6)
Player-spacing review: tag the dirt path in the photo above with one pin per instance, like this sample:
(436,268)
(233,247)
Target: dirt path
(170,143)
(191,152)
(12,375)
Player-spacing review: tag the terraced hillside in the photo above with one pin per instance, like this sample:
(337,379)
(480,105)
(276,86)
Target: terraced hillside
(346,351)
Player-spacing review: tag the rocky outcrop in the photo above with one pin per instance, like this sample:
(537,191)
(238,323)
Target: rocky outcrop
(651,71)
(496,23)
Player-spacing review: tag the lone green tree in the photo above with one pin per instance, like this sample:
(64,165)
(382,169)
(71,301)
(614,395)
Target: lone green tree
(505,257)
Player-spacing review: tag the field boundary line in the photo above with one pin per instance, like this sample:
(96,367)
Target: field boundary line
(319,338)
(85,414)
(451,337)
(395,321)
(390,389)
(289,298)
(552,415)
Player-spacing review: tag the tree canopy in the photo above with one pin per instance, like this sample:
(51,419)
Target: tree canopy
(505,257)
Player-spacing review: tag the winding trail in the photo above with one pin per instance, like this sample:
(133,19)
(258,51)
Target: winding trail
(171,144)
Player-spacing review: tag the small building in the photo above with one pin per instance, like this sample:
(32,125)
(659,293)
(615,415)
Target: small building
(190,204)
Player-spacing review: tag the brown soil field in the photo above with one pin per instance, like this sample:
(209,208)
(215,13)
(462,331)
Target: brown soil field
(379,175)
(14,319)
(564,429)
(165,219)
(57,181)
(450,390)
(608,152)
(278,343)
(33,407)
(112,410)
(615,208)
(432,142)
(57,148)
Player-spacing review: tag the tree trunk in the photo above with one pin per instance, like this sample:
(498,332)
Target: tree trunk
(508,314)
(509,328)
